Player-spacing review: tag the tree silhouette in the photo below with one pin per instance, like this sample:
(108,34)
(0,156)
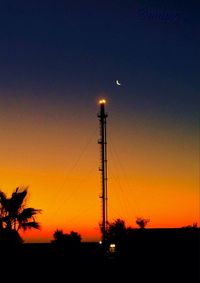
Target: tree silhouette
(58,235)
(116,233)
(194,225)
(15,216)
(66,242)
(72,237)
(142,222)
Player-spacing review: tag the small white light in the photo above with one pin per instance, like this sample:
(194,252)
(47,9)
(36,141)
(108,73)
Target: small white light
(112,248)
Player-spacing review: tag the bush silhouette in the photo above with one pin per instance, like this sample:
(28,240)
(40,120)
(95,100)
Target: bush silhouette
(117,233)
(66,243)
(142,222)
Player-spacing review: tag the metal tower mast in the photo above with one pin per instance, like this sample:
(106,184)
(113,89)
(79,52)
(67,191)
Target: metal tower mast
(103,151)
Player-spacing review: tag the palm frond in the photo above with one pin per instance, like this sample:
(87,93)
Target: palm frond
(2,196)
(13,212)
(30,225)
(27,213)
(17,199)
(3,201)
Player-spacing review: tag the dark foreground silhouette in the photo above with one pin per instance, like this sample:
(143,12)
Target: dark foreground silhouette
(149,255)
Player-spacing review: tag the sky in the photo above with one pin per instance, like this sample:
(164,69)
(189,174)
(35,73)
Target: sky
(57,59)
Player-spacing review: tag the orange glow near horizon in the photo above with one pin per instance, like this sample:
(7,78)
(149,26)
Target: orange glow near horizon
(152,173)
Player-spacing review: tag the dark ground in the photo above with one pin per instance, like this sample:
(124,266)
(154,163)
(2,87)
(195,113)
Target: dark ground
(153,255)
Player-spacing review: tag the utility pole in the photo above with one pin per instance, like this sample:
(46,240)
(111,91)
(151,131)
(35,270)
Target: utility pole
(103,168)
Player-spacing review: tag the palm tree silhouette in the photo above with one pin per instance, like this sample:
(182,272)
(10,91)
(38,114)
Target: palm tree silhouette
(14,215)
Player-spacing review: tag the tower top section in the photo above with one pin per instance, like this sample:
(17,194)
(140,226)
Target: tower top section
(102,101)
(102,114)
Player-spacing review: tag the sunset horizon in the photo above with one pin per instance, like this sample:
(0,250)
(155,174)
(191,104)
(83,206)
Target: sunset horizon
(119,206)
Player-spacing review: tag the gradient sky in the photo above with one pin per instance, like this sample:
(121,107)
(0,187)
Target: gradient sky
(57,58)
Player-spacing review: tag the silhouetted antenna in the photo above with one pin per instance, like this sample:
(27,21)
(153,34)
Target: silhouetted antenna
(103,168)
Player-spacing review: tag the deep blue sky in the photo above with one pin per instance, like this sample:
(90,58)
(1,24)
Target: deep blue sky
(77,49)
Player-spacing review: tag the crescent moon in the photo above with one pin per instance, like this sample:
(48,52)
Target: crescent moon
(118,83)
